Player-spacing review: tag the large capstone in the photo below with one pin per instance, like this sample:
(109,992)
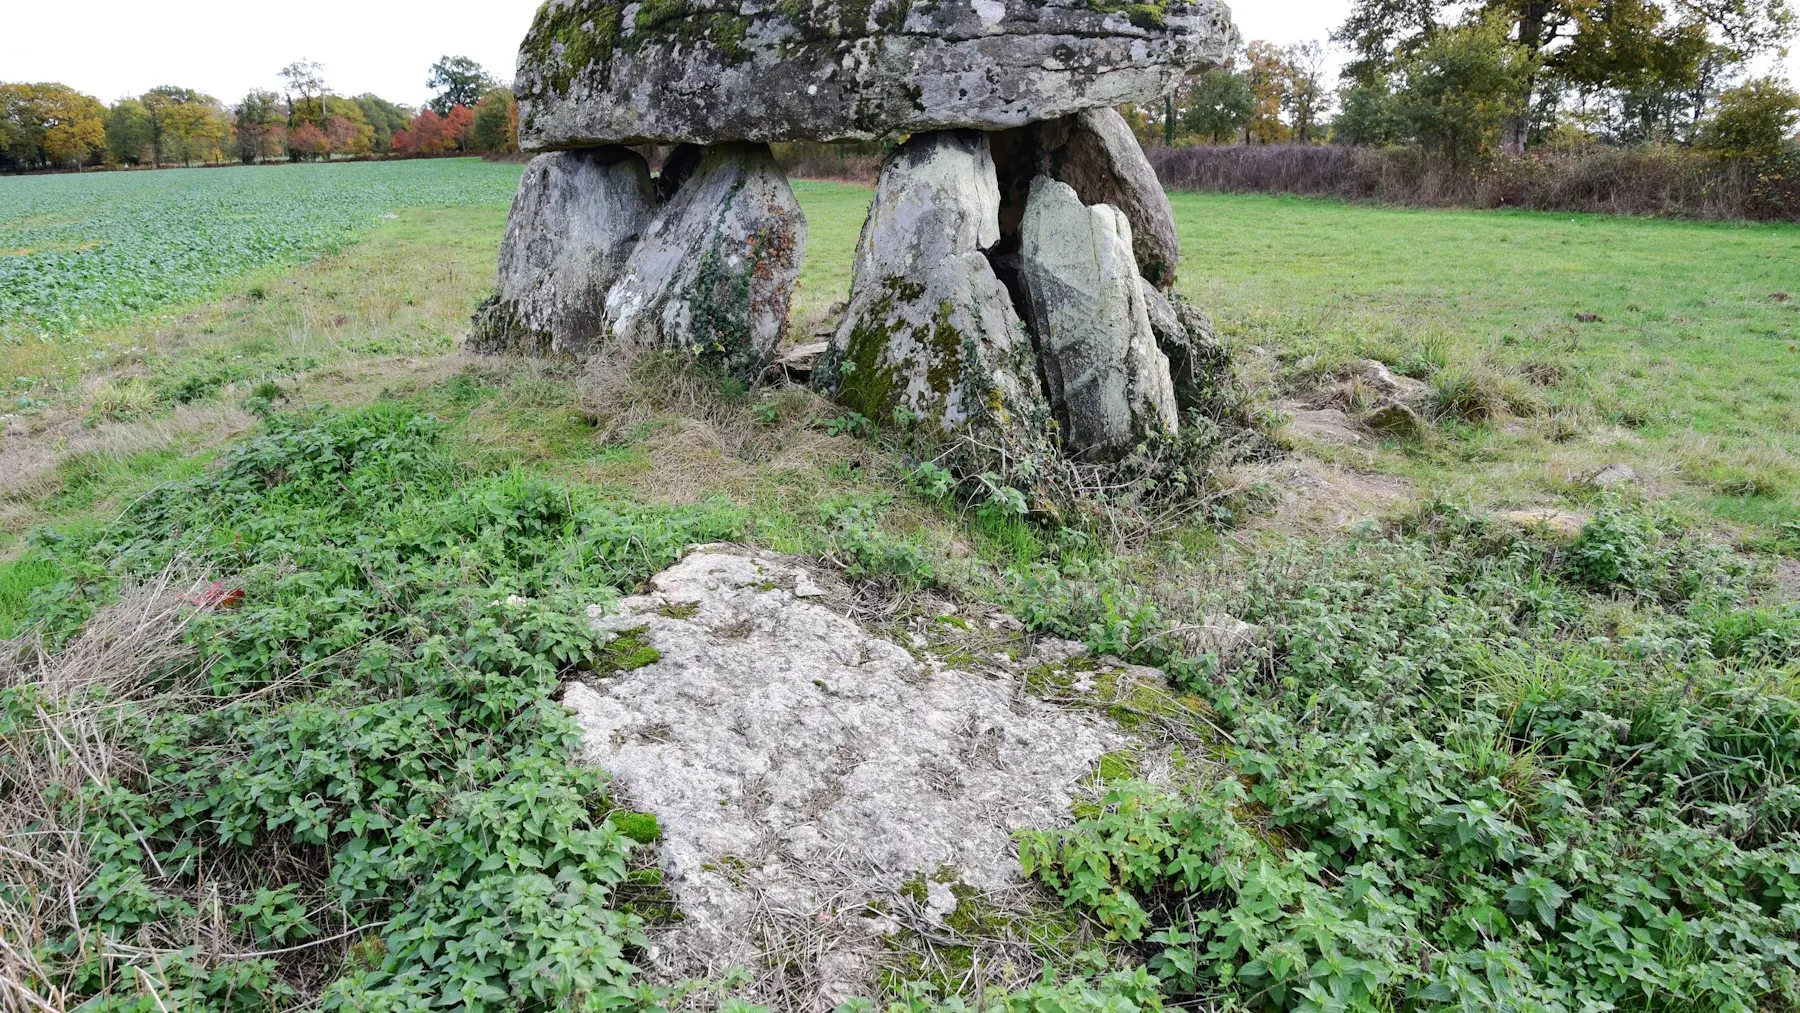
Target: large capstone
(1096,153)
(715,270)
(705,71)
(929,328)
(1107,381)
(574,223)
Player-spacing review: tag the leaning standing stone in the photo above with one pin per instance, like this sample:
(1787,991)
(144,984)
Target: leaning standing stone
(575,220)
(715,270)
(1105,164)
(1108,383)
(929,328)
(1096,153)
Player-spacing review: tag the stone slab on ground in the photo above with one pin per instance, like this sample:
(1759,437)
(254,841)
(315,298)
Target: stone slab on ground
(801,767)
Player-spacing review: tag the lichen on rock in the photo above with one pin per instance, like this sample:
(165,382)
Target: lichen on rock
(1107,381)
(707,71)
(575,221)
(804,773)
(715,271)
(929,327)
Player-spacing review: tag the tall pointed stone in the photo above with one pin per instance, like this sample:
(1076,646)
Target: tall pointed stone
(1096,153)
(1107,381)
(929,328)
(715,270)
(574,223)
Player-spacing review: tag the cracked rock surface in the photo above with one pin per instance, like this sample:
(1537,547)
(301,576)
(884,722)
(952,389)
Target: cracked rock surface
(801,767)
(611,71)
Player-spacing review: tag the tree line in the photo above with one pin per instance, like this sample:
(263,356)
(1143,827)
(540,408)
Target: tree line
(1469,80)
(52,126)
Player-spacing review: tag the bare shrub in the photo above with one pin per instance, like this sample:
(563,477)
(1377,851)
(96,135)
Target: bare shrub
(1649,180)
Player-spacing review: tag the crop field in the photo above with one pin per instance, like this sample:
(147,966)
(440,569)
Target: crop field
(83,251)
(300,578)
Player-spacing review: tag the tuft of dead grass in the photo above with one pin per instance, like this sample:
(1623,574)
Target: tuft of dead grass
(118,661)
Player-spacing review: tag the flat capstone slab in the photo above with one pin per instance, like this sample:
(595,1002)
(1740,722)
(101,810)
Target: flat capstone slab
(595,72)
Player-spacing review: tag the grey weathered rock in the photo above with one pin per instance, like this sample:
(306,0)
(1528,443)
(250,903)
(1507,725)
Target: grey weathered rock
(706,71)
(1096,153)
(1199,366)
(929,327)
(1396,419)
(1390,387)
(1613,474)
(1107,381)
(574,223)
(715,269)
(1324,425)
(801,769)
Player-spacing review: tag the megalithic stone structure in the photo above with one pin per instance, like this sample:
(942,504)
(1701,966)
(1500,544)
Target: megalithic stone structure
(951,319)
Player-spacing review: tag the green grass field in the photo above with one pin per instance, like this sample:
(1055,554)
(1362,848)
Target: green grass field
(1467,766)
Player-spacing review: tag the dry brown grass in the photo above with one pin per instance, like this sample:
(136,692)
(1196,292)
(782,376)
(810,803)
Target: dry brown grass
(116,662)
(704,436)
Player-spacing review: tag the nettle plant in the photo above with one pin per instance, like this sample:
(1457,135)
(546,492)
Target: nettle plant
(1476,772)
(353,789)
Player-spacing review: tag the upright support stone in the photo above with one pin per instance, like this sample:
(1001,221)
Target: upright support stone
(574,222)
(929,328)
(1096,153)
(1199,366)
(1107,381)
(716,268)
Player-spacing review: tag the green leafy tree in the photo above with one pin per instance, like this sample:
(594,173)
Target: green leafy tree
(130,134)
(1462,88)
(1219,106)
(50,126)
(1756,118)
(495,127)
(1304,97)
(385,118)
(260,127)
(1642,54)
(1368,113)
(186,126)
(459,81)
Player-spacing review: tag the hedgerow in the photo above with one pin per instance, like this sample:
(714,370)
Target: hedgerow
(350,785)
(1470,770)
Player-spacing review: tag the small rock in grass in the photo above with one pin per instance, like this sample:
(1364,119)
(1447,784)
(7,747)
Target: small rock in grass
(1611,475)
(1326,425)
(1396,420)
(1557,522)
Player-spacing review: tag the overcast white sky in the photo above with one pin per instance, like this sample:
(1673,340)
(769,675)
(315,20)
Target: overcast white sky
(113,48)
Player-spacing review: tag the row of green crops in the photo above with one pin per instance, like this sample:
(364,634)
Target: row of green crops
(84,250)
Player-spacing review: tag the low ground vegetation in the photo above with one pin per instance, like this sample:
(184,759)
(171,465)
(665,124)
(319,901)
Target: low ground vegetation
(278,709)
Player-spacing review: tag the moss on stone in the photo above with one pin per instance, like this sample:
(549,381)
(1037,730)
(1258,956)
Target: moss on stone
(640,827)
(628,652)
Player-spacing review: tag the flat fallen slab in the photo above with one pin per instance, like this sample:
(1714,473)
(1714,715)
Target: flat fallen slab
(801,768)
(595,72)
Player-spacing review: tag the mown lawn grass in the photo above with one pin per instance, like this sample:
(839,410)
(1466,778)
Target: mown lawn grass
(1691,371)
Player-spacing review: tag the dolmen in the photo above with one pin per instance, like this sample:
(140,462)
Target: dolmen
(1018,259)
